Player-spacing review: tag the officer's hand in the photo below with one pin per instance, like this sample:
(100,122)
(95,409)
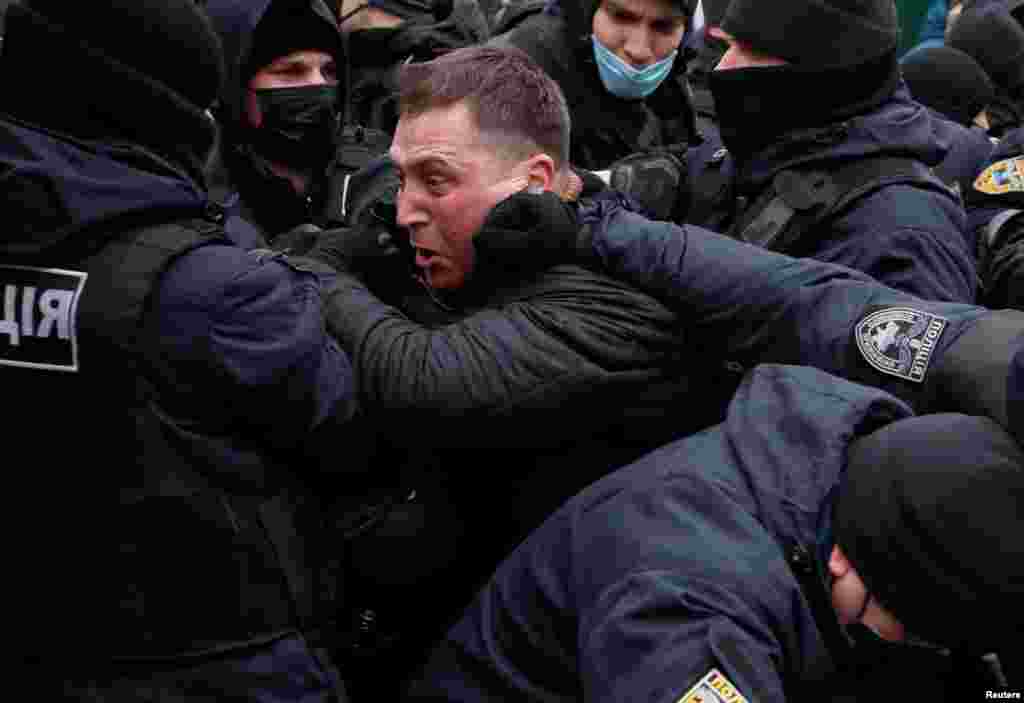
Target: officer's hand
(362,250)
(530,232)
(656,180)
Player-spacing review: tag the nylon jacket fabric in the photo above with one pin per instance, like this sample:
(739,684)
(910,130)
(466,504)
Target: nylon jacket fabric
(908,238)
(674,565)
(239,373)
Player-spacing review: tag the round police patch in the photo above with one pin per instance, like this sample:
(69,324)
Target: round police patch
(900,341)
(1006,176)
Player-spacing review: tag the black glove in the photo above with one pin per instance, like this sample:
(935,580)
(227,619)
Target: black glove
(530,232)
(296,241)
(372,253)
(656,180)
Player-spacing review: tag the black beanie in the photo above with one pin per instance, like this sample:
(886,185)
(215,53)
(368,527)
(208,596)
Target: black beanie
(292,25)
(815,33)
(931,514)
(948,81)
(170,41)
(995,40)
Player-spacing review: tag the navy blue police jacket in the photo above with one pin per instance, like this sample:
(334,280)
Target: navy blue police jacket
(969,152)
(678,568)
(910,238)
(240,380)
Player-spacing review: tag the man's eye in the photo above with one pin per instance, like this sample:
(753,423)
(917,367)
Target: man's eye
(435,181)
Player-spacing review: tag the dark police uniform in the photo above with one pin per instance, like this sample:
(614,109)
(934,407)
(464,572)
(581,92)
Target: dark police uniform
(695,574)
(170,388)
(899,225)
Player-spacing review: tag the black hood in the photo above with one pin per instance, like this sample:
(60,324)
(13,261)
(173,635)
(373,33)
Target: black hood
(55,186)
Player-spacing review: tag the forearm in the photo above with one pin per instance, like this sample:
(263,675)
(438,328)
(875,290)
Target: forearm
(756,306)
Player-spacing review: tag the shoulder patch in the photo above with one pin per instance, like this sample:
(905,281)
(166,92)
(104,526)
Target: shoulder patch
(37,317)
(900,341)
(1006,176)
(713,688)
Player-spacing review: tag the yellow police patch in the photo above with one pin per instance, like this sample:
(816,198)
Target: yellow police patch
(1006,176)
(713,688)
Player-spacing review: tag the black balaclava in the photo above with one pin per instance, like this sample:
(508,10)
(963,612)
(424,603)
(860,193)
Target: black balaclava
(841,61)
(141,71)
(948,81)
(930,515)
(298,123)
(993,38)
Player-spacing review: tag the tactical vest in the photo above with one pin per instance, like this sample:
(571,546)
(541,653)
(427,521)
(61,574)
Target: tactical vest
(132,547)
(784,215)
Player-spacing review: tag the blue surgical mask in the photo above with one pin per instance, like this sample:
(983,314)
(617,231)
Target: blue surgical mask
(625,81)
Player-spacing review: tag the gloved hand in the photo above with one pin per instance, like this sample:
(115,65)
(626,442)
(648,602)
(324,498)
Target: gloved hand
(530,232)
(656,180)
(297,241)
(372,253)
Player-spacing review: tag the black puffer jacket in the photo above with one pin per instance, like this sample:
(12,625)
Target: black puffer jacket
(605,128)
(513,398)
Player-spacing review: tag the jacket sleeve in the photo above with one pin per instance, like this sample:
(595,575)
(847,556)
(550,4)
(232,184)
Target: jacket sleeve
(755,306)
(526,352)
(251,355)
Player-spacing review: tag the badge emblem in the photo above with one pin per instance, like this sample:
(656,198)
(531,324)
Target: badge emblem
(1006,176)
(713,688)
(900,341)
(37,317)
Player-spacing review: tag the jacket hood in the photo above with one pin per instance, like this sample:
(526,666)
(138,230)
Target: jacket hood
(900,127)
(55,186)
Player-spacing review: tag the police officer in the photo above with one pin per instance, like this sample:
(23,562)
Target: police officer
(278,114)
(820,544)
(823,153)
(621,66)
(165,388)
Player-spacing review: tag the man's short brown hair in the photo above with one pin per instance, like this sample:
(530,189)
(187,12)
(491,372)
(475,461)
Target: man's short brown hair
(509,94)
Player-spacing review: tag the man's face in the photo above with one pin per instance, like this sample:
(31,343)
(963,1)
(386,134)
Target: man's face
(451,177)
(740,54)
(299,68)
(640,32)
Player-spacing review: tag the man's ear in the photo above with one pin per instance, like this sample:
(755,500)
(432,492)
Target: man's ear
(541,172)
(838,564)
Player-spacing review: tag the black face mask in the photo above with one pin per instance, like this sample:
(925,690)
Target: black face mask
(299,125)
(755,106)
